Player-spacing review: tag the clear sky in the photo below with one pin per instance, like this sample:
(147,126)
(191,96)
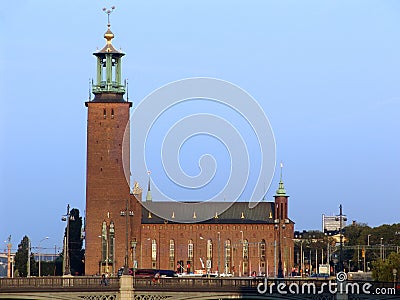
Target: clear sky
(326,73)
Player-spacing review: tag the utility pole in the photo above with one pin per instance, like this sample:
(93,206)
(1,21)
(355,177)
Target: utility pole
(9,257)
(28,264)
(67,218)
(219,260)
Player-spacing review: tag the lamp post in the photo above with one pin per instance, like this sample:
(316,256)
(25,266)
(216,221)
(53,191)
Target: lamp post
(219,246)
(9,245)
(199,252)
(40,248)
(241,268)
(126,213)
(67,218)
(341,218)
(134,244)
(381,248)
(28,263)
(301,257)
(279,224)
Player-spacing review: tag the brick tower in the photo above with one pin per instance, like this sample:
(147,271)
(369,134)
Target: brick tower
(107,174)
(283,229)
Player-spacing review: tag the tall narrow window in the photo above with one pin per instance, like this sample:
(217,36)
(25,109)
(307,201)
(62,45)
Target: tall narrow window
(111,243)
(190,250)
(262,250)
(112,113)
(227,257)
(104,242)
(171,250)
(104,113)
(245,250)
(209,249)
(154,252)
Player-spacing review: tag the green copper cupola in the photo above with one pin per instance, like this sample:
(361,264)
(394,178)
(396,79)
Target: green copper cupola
(281,189)
(108,82)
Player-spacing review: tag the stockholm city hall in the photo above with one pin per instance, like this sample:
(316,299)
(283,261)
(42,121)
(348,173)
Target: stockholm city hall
(120,231)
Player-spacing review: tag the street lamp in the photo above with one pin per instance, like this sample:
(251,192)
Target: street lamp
(241,268)
(219,246)
(382,249)
(126,213)
(341,218)
(279,224)
(40,248)
(134,244)
(365,254)
(67,217)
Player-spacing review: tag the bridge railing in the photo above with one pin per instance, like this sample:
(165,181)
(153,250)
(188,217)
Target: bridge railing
(202,283)
(54,282)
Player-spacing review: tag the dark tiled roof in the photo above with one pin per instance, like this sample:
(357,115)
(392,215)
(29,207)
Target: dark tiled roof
(237,212)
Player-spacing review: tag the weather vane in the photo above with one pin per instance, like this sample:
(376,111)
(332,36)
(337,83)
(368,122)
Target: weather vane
(108,12)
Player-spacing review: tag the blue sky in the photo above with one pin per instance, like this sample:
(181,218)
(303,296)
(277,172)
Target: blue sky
(326,73)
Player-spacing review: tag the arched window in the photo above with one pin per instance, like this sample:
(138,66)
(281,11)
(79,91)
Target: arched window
(112,113)
(104,113)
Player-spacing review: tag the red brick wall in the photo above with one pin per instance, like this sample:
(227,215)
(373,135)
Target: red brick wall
(200,233)
(106,186)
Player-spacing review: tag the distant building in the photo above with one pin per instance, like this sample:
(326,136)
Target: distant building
(331,224)
(46,257)
(4,263)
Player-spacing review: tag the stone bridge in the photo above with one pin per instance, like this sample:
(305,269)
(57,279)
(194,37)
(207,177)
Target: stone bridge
(127,287)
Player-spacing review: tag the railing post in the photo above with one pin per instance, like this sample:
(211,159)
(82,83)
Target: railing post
(126,287)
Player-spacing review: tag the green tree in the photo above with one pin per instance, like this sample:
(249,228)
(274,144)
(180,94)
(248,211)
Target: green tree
(21,259)
(383,270)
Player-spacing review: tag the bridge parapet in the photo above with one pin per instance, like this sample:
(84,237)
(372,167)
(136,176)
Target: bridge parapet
(92,288)
(55,283)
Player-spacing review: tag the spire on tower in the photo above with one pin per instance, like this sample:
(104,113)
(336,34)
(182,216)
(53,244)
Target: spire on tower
(148,195)
(281,189)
